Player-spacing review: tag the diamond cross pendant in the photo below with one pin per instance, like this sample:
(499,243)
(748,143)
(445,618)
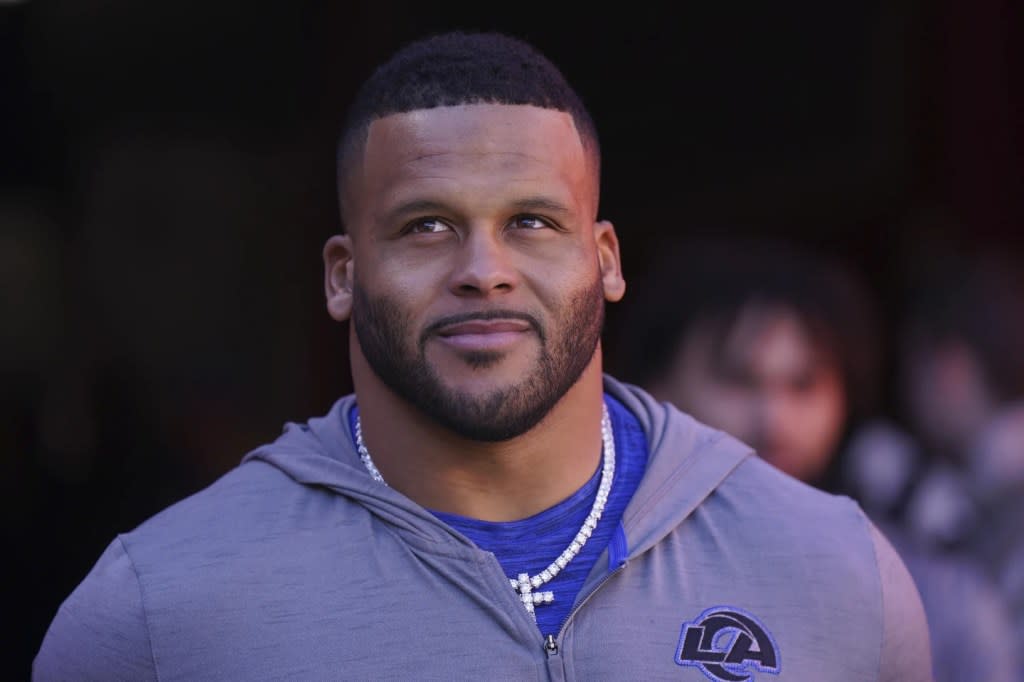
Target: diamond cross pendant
(524,587)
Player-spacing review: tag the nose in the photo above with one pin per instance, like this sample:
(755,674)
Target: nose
(483,266)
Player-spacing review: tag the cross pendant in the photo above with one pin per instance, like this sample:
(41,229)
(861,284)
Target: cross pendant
(530,599)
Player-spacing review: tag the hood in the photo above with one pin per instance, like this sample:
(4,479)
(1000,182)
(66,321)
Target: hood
(687,461)
(321,453)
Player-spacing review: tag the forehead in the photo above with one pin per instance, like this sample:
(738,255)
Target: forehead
(772,339)
(475,144)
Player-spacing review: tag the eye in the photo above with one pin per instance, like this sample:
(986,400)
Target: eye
(735,373)
(529,222)
(803,382)
(427,226)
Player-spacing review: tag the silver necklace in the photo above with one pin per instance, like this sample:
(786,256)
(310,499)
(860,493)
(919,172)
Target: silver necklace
(524,584)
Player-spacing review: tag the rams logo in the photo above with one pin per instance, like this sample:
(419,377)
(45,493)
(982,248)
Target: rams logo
(726,644)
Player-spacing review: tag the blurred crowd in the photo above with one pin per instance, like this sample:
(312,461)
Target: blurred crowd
(910,402)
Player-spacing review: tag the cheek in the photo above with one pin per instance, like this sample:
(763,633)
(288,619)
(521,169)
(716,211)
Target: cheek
(549,257)
(822,418)
(409,288)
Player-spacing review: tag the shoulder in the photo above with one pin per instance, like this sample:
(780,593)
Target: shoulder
(248,517)
(771,491)
(227,522)
(240,499)
(771,508)
(823,548)
(823,551)
(101,630)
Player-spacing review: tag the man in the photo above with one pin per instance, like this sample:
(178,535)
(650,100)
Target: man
(489,505)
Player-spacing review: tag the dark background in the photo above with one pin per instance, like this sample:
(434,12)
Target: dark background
(167,183)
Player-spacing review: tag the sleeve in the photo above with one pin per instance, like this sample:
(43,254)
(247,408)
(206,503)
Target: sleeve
(100,631)
(906,649)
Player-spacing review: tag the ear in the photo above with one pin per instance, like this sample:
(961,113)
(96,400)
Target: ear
(609,261)
(339,274)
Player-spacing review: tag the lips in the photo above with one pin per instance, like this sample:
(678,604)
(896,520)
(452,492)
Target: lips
(496,335)
(474,327)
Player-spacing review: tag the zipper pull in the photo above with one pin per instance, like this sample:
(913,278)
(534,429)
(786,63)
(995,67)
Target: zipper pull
(550,645)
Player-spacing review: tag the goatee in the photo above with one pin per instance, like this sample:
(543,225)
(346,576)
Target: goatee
(397,355)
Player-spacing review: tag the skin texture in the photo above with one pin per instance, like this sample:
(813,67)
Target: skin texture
(475,272)
(771,388)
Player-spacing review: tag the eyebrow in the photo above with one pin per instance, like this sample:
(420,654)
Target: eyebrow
(528,204)
(417,206)
(540,204)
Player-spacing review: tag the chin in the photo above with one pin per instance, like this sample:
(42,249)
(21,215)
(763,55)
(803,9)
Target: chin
(483,372)
(482,385)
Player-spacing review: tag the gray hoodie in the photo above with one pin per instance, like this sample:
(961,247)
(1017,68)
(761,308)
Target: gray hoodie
(297,565)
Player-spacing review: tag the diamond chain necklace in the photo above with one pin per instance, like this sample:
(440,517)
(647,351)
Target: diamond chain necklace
(525,584)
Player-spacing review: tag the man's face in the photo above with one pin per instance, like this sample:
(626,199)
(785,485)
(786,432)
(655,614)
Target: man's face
(478,272)
(765,383)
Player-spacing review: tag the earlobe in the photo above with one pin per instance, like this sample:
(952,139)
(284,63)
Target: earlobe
(609,261)
(338,276)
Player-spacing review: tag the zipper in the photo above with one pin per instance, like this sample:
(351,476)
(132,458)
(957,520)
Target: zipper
(551,642)
(550,645)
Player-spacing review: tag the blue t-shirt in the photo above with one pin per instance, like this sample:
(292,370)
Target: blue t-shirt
(529,545)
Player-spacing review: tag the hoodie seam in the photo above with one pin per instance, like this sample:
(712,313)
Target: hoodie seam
(142,605)
(658,493)
(862,519)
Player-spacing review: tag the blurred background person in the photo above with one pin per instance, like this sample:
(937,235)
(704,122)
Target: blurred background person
(961,384)
(781,347)
(760,340)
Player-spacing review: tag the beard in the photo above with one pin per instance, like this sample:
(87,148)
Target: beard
(397,355)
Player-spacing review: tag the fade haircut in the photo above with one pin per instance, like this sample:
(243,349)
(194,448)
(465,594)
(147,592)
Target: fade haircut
(456,68)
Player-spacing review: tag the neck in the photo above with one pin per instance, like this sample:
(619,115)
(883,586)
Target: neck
(501,481)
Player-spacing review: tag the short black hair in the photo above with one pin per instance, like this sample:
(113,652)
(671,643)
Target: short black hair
(458,67)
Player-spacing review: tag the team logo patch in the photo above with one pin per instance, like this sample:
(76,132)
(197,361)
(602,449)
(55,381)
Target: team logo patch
(728,645)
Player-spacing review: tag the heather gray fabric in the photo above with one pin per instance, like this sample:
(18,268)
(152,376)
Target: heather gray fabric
(296,565)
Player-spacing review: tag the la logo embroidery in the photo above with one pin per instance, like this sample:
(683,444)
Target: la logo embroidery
(727,645)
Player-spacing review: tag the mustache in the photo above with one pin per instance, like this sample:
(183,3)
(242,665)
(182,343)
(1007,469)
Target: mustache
(497,314)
